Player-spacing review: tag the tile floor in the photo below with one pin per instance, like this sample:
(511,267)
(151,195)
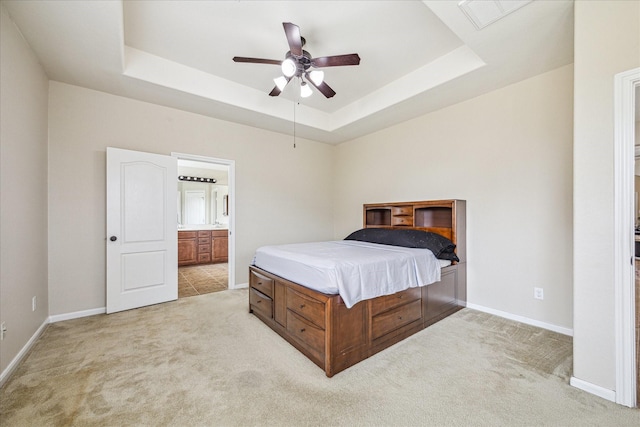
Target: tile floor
(202,279)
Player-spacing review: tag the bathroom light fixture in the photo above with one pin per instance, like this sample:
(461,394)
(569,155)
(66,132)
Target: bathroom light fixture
(197,179)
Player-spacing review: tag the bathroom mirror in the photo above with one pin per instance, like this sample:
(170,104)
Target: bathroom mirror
(203,192)
(202,203)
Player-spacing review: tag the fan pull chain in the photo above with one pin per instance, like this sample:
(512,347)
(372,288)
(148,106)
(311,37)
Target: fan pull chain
(294,123)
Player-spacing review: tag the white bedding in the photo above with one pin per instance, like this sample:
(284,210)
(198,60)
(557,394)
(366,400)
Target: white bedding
(355,270)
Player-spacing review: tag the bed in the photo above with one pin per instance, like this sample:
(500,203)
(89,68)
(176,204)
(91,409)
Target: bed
(299,290)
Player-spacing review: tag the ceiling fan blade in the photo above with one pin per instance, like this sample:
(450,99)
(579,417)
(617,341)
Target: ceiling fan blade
(336,61)
(256,60)
(275,91)
(292,32)
(323,88)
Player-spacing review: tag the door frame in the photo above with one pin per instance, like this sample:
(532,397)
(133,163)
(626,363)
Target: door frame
(624,241)
(231,164)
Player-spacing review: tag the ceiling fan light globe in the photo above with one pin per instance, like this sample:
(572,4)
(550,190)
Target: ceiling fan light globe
(316,76)
(281,82)
(288,67)
(305,90)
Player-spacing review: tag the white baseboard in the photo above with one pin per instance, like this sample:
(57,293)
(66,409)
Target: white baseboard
(602,392)
(16,360)
(555,328)
(76,314)
(240,286)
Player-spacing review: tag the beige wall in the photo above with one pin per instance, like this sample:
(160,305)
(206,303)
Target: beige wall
(509,154)
(283,194)
(607,42)
(23,186)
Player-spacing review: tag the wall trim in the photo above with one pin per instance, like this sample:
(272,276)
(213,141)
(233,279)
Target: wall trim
(22,353)
(624,241)
(532,322)
(76,314)
(602,392)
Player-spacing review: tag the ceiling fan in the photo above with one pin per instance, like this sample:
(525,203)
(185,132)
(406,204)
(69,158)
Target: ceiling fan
(297,63)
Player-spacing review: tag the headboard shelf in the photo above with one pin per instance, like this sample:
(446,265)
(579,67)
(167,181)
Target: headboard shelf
(379,217)
(444,217)
(433,216)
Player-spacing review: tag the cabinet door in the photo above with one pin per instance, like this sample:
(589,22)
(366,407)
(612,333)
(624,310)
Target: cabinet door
(220,249)
(187,251)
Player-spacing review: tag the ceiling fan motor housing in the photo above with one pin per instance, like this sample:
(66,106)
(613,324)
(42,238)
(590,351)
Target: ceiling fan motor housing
(303,63)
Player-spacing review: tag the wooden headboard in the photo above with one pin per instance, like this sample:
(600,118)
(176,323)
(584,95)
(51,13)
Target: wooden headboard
(444,217)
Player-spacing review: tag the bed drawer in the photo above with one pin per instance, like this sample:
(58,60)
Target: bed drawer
(387,302)
(261,303)
(307,333)
(396,318)
(402,210)
(309,308)
(261,283)
(403,221)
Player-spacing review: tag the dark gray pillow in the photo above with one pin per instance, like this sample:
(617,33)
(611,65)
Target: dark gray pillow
(441,247)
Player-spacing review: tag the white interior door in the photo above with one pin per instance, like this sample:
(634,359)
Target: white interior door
(142,237)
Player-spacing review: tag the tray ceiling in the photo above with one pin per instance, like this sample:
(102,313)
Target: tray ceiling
(416,56)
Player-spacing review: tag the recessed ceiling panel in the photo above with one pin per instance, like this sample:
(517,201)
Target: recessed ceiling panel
(393,38)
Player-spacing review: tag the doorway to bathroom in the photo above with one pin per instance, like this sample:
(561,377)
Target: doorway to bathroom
(205,219)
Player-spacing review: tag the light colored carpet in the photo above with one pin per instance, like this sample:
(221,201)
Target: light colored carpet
(205,361)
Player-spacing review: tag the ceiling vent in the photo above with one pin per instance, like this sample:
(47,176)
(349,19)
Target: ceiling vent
(484,12)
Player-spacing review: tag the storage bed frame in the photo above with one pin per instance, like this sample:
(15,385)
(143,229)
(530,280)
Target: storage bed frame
(336,337)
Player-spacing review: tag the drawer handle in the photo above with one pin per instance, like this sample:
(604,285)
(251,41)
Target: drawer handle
(301,305)
(399,317)
(259,301)
(259,283)
(400,296)
(302,330)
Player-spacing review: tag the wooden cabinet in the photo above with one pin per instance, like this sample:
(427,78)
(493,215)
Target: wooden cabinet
(202,247)
(219,246)
(187,247)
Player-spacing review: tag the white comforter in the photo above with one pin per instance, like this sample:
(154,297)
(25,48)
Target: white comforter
(355,270)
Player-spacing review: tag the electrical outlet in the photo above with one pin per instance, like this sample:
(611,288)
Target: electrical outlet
(3,330)
(538,293)
(34,304)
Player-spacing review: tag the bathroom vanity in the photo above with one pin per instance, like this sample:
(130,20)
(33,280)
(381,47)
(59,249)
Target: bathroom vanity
(202,246)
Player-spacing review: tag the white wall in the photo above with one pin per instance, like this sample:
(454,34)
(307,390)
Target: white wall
(23,191)
(283,194)
(607,42)
(509,154)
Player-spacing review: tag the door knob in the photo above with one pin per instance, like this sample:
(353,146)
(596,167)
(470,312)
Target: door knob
(113,238)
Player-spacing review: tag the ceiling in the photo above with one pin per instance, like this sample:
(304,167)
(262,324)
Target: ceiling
(416,56)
